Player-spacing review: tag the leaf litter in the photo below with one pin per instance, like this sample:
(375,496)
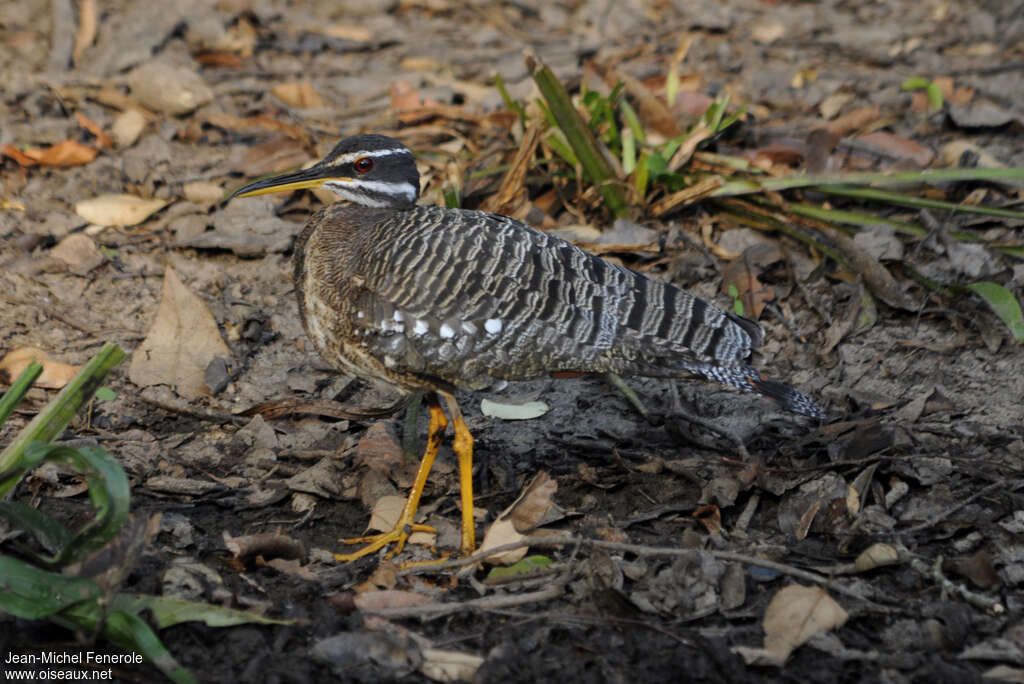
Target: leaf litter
(872,319)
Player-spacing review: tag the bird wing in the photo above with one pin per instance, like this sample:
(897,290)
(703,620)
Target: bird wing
(469,297)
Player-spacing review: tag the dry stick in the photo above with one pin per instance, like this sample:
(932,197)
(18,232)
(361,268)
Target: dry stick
(641,550)
(1011,486)
(485,603)
(934,573)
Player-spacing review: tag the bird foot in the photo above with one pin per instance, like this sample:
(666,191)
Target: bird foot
(375,542)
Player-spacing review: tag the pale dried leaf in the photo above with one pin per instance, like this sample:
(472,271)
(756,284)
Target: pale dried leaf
(795,614)
(529,510)
(118,210)
(182,342)
(79,252)
(876,556)
(502,532)
(169,89)
(299,94)
(450,666)
(527,411)
(371,601)
(128,126)
(385,515)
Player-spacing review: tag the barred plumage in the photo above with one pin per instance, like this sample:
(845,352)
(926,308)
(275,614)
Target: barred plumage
(434,299)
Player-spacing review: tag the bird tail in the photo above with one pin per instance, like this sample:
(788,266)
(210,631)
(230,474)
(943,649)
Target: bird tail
(746,378)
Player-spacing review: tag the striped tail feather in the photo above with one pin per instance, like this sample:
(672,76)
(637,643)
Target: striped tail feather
(746,378)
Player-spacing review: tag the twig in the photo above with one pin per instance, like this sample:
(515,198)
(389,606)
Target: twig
(652,551)
(486,603)
(1011,486)
(183,409)
(986,603)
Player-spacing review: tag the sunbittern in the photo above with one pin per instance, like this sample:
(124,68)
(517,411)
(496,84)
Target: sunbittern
(428,298)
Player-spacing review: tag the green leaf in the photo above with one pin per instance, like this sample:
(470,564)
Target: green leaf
(932,90)
(526,566)
(51,534)
(106,394)
(30,593)
(124,628)
(1004,304)
(128,631)
(169,611)
(108,491)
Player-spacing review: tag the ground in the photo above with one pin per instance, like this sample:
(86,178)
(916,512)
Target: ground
(679,539)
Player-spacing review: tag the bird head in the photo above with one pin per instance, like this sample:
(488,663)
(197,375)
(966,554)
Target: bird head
(371,170)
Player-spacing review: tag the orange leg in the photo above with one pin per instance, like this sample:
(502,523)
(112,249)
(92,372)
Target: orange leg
(464,450)
(405,525)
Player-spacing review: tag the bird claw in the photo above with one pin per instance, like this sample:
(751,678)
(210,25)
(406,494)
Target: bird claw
(374,542)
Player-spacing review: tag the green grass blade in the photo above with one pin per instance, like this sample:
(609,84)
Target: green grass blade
(169,611)
(56,416)
(1005,305)
(12,397)
(918,202)
(747,186)
(510,104)
(108,490)
(579,136)
(49,533)
(32,594)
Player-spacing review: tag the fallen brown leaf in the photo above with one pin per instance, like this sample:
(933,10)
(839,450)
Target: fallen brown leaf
(795,614)
(182,342)
(55,373)
(299,94)
(62,155)
(102,139)
(118,210)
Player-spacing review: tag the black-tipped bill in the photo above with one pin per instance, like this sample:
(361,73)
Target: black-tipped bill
(313,177)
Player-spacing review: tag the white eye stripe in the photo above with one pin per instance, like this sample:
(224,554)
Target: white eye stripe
(346,188)
(352,156)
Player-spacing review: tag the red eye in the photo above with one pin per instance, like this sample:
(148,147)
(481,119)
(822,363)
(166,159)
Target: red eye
(363,164)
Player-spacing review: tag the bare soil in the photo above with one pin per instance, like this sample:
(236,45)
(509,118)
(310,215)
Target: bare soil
(926,426)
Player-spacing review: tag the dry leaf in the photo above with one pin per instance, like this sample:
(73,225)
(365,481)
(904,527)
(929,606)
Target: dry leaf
(169,89)
(527,411)
(128,126)
(118,210)
(740,279)
(876,556)
(54,376)
(371,601)
(299,94)
(526,512)
(102,139)
(87,25)
(385,515)
(450,666)
(63,154)
(79,252)
(795,614)
(182,342)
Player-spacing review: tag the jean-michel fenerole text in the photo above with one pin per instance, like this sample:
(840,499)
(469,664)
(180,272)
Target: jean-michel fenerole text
(80,658)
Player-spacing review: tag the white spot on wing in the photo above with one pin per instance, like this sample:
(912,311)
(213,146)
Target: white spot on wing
(360,314)
(493,325)
(419,327)
(398,317)
(469,328)
(446,331)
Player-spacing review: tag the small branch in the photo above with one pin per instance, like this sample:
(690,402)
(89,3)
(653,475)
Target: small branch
(934,573)
(496,602)
(653,551)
